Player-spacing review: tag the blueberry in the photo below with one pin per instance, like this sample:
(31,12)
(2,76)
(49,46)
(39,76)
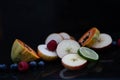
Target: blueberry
(14,66)
(33,64)
(3,66)
(41,63)
(114,43)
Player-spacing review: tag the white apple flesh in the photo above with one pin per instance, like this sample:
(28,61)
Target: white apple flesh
(45,54)
(67,47)
(65,35)
(103,41)
(73,62)
(53,36)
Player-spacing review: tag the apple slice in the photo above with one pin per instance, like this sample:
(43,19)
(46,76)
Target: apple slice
(89,37)
(65,35)
(53,36)
(67,47)
(103,41)
(46,54)
(73,62)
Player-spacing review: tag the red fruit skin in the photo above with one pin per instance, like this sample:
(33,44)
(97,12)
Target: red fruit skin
(118,42)
(80,67)
(52,45)
(23,66)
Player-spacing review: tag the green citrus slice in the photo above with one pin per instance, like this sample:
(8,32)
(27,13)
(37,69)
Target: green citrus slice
(88,54)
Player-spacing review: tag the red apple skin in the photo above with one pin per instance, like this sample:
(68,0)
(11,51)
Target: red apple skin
(118,42)
(75,67)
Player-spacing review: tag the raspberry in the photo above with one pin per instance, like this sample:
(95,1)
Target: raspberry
(52,45)
(23,66)
(118,42)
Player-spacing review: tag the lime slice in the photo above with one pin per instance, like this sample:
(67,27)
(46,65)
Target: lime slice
(88,54)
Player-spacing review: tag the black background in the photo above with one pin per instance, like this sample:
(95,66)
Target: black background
(33,20)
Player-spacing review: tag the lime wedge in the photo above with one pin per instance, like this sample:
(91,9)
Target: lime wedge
(88,54)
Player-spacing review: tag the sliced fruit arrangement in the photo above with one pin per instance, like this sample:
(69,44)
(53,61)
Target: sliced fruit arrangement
(67,47)
(89,37)
(22,52)
(47,51)
(104,40)
(58,37)
(88,54)
(94,39)
(79,60)
(73,54)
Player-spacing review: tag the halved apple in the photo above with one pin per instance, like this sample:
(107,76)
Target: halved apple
(22,52)
(67,47)
(53,36)
(89,37)
(65,35)
(103,41)
(73,62)
(46,54)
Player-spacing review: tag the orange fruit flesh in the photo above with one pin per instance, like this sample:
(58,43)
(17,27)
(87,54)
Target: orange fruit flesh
(30,50)
(88,36)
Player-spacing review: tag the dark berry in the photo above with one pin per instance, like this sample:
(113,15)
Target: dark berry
(118,42)
(52,45)
(41,63)
(33,64)
(23,66)
(114,43)
(3,66)
(14,66)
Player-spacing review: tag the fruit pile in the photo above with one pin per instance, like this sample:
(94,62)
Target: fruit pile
(74,54)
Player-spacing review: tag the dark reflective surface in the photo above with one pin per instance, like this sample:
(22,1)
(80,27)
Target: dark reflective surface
(32,21)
